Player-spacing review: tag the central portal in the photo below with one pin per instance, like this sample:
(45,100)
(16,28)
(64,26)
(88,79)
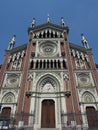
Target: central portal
(48,114)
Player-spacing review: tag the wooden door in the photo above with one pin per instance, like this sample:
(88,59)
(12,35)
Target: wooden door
(5,116)
(92,117)
(6,112)
(48,114)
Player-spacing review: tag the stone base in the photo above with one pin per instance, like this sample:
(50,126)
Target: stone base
(47,129)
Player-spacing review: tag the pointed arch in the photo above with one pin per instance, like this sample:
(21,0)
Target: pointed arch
(48,79)
(8,98)
(88,97)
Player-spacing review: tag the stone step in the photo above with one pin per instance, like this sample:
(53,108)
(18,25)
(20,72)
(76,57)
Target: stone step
(47,129)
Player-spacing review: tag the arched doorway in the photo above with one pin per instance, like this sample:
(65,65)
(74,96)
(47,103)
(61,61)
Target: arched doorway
(5,116)
(92,117)
(48,114)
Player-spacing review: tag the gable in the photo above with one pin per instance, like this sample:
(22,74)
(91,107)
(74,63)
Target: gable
(48,30)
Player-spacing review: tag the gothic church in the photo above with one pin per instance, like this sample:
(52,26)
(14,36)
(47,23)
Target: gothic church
(49,82)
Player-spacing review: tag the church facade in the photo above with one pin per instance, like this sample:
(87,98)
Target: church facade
(49,82)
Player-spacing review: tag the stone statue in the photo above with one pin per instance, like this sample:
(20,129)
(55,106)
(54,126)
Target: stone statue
(48,19)
(12,42)
(33,22)
(84,41)
(62,22)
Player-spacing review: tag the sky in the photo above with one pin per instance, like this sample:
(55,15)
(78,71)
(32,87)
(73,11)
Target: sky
(81,16)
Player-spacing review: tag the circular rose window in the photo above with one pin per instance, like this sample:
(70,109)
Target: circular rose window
(48,48)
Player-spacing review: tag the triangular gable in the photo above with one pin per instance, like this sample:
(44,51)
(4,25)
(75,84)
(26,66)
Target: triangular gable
(48,30)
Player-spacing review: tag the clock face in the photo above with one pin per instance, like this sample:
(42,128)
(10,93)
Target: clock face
(48,49)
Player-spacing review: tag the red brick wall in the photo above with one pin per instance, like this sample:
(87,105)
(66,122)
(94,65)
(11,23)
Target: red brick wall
(72,101)
(93,69)
(23,100)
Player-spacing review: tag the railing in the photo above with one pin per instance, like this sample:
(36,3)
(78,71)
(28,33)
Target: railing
(68,121)
(9,121)
(79,128)
(65,128)
(85,121)
(25,128)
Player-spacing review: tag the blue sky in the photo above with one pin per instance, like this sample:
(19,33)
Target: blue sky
(80,15)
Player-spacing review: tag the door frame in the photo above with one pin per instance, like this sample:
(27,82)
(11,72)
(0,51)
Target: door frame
(92,114)
(49,111)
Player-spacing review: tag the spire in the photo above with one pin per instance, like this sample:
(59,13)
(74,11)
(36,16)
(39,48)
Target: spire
(62,22)
(84,41)
(33,23)
(12,43)
(48,19)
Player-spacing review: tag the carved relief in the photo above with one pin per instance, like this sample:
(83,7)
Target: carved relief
(88,97)
(8,98)
(48,87)
(84,80)
(30,77)
(12,80)
(65,76)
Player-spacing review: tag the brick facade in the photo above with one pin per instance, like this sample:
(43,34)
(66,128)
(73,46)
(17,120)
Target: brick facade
(49,71)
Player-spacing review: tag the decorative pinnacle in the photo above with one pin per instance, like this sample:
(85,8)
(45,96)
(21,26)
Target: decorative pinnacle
(12,42)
